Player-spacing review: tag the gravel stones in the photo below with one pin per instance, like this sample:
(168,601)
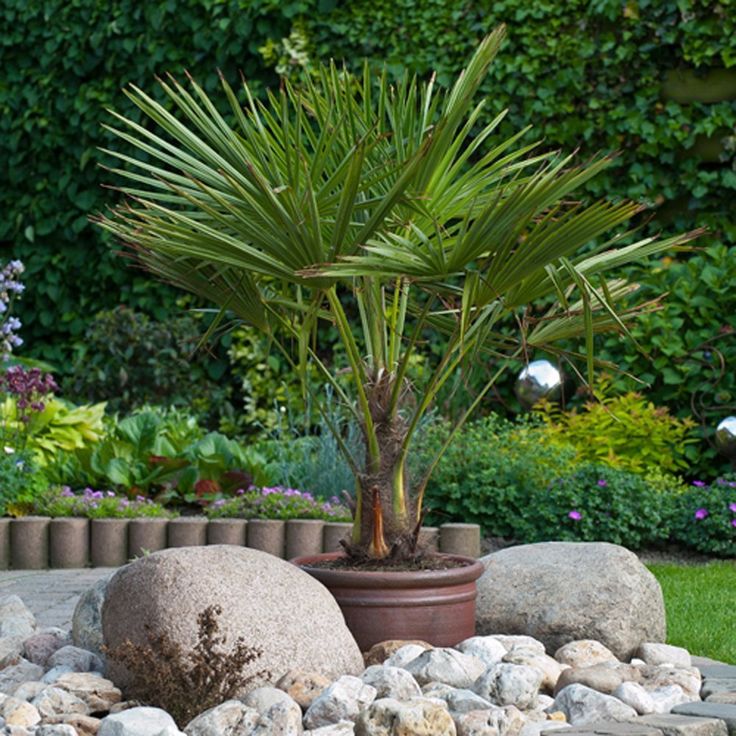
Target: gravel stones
(12,677)
(486,648)
(612,598)
(303,687)
(139,722)
(391,682)
(446,665)
(87,617)
(415,717)
(40,646)
(76,659)
(664,654)
(230,718)
(97,692)
(257,593)
(15,618)
(380,652)
(583,705)
(341,701)
(584,653)
(53,701)
(510,684)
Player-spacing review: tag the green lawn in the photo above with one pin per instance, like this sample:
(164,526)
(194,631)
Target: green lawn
(701,607)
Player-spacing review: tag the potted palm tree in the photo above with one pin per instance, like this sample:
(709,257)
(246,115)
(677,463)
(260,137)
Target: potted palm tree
(352,192)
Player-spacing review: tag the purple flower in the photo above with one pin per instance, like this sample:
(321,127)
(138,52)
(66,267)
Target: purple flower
(699,483)
(602,483)
(218,503)
(701,513)
(575,515)
(732,507)
(733,522)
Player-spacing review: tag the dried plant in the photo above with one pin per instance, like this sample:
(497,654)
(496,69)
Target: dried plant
(185,683)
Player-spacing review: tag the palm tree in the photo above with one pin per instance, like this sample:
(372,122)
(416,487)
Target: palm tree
(351,186)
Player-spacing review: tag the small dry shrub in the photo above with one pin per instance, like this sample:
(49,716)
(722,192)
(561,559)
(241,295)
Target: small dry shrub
(187,683)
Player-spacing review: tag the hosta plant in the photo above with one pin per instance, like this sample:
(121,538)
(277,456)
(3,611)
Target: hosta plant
(387,212)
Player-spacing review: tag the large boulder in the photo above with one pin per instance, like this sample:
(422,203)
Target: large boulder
(270,603)
(559,592)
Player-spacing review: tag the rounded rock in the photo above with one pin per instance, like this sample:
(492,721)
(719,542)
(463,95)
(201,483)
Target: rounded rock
(139,722)
(584,653)
(510,684)
(611,598)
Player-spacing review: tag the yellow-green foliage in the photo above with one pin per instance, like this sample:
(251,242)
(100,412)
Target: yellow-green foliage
(61,427)
(626,432)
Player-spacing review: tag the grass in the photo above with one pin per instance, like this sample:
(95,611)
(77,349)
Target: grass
(701,607)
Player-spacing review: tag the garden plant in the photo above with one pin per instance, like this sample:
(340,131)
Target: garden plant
(352,194)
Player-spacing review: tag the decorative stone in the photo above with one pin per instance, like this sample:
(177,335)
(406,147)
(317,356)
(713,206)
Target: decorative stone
(15,675)
(674,725)
(343,728)
(281,718)
(713,685)
(401,657)
(29,690)
(17,712)
(659,654)
(87,617)
(509,684)
(415,717)
(598,677)
(139,722)
(380,652)
(519,640)
(550,668)
(264,698)
(230,718)
(446,665)
(55,673)
(15,618)
(76,658)
(39,647)
(11,648)
(459,700)
(583,705)
(54,701)
(486,648)
(688,678)
(59,729)
(166,591)
(391,682)
(612,598)
(584,653)
(667,697)
(99,694)
(341,701)
(83,725)
(303,687)
(489,722)
(633,694)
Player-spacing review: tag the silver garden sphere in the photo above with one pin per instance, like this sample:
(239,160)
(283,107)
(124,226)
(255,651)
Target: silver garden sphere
(539,380)
(726,437)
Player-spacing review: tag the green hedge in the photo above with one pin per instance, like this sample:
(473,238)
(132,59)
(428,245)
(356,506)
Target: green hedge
(600,74)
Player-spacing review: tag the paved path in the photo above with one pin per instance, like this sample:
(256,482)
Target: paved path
(51,594)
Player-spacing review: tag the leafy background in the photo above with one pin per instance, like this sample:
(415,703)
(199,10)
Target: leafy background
(654,80)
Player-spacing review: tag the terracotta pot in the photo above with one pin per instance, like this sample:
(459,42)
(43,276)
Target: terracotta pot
(436,606)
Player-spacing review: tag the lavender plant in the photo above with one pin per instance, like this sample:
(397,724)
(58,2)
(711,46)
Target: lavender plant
(94,504)
(10,289)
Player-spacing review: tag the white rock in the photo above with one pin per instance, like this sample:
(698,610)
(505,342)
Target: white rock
(494,721)
(55,673)
(688,678)
(230,718)
(77,659)
(11,649)
(391,682)
(56,729)
(87,617)
(401,657)
(487,648)
(139,722)
(459,700)
(550,668)
(17,712)
(415,717)
(519,640)
(12,677)
(667,697)
(263,698)
(54,701)
(341,701)
(284,719)
(584,653)
(15,618)
(583,705)
(634,695)
(99,694)
(303,687)
(510,684)
(29,690)
(446,665)
(544,701)
(343,728)
(664,654)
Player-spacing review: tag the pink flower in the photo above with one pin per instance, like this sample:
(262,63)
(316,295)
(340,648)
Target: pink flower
(602,483)
(701,513)
(733,522)
(575,515)
(698,483)
(732,507)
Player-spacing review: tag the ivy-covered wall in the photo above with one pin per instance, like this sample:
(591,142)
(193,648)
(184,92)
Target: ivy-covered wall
(654,80)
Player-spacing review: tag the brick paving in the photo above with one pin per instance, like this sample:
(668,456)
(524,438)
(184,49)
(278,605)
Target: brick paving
(51,594)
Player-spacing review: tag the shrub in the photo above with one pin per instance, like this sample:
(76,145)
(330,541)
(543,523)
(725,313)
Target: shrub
(97,505)
(278,503)
(184,683)
(491,473)
(596,503)
(705,517)
(21,483)
(130,361)
(626,432)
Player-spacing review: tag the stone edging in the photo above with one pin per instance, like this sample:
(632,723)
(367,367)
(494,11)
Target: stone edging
(38,542)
